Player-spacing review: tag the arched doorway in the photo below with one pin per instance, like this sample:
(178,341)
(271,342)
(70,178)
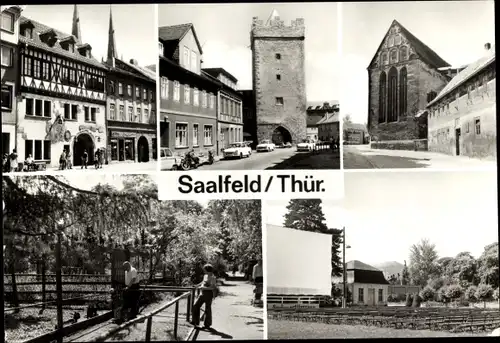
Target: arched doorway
(142,150)
(83,142)
(281,135)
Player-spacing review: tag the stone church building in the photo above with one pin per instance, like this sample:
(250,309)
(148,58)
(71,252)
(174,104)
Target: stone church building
(402,75)
(279,79)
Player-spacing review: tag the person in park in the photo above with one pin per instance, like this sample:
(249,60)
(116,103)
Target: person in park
(131,292)
(207,287)
(258,279)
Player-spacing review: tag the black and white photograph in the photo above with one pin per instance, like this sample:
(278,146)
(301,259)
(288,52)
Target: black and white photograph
(257,90)
(404,254)
(419,83)
(79,88)
(100,259)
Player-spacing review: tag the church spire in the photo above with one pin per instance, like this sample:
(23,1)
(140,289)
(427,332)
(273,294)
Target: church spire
(112,54)
(75,30)
(274,15)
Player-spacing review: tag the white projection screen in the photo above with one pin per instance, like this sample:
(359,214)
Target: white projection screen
(298,262)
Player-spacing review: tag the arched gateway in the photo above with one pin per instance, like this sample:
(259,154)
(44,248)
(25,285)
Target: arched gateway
(281,135)
(81,143)
(142,150)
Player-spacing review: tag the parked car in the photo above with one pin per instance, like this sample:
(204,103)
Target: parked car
(168,160)
(266,145)
(306,145)
(288,145)
(239,149)
(280,145)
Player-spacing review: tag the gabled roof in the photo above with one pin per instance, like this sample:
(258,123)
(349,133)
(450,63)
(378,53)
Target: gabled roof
(471,70)
(329,118)
(364,273)
(423,51)
(216,71)
(176,33)
(133,70)
(39,28)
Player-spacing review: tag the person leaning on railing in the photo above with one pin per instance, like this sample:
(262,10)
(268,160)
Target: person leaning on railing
(131,293)
(208,287)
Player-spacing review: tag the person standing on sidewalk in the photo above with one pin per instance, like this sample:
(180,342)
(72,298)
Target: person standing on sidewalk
(69,165)
(13,161)
(85,159)
(207,287)
(131,292)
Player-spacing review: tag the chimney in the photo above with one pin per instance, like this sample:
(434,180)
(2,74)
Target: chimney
(133,61)
(326,105)
(487,46)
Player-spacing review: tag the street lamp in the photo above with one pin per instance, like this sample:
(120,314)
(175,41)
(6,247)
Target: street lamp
(344,276)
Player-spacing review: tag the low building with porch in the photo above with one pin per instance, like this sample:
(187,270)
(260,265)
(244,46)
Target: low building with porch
(188,97)
(131,108)
(366,284)
(229,109)
(63,100)
(462,117)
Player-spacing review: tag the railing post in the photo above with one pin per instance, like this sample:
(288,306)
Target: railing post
(148,329)
(188,309)
(176,318)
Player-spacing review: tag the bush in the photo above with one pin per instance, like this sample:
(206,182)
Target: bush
(454,292)
(484,292)
(427,293)
(470,293)
(416,300)
(391,298)
(495,294)
(409,300)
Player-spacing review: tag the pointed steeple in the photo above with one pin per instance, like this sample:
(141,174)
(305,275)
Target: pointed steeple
(75,30)
(274,15)
(112,54)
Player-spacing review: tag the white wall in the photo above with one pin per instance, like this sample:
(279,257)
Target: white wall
(365,286)
(298,262)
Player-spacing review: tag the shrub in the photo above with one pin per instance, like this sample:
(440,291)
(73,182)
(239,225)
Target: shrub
(400,297)
(409,300)
(484,292)
(454,292)
(391,298)
(416,300)
(495,294)
(470,293)
(427,293)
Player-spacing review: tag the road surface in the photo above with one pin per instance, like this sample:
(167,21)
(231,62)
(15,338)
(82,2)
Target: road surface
(256,161)
(362,157)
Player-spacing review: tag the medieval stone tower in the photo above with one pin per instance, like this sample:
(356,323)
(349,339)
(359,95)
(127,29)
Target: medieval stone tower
(279,79)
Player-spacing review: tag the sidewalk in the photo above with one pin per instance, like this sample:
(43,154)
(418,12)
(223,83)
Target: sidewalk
(234,317)
(426,159)
(116,167)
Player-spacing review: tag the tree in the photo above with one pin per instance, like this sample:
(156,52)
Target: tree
(346,118)
(307,215)
(463,270)
(453,292)
(489,265)
(405,275)
(427,293)
(470,293)
(484,293)
(423,258)
(393,279)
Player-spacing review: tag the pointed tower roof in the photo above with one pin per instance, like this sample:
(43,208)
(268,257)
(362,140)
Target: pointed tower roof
(75,31)
(274,15)
(111,38)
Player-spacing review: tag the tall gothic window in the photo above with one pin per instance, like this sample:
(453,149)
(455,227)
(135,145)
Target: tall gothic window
(403,91)
(384,59)
(392,96)
(382,91)
(393,56)
(403,53)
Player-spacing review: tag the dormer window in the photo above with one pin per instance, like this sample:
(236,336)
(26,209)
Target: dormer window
(85,50)
(28,33)
(26,29)
(49,37)
(68,43)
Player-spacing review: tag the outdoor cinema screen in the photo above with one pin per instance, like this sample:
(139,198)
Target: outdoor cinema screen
(298,262)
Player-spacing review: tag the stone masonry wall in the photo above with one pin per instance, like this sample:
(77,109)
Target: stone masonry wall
(288,41)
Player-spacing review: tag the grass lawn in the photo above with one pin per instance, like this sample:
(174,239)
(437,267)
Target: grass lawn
(285,329)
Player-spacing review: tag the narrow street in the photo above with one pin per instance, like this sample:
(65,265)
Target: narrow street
(362,157)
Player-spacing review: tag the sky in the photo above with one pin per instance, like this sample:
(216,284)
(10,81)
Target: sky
(455,30)
(385,213)
(135,28)
(224,33)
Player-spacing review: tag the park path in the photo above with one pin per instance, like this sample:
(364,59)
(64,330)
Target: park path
(234,316)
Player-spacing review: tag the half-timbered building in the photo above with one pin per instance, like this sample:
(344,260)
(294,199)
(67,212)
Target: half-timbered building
(131,107)
(63,96)
(10,75)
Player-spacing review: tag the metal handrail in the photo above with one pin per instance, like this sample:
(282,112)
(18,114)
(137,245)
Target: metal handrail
(149,317)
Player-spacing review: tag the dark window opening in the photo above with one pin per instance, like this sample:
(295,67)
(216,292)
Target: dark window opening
(38,107)
(93,114)
(278,77)
(67,113)
(29,107)
(279,101)
(86,113)
(74,111)
(278,56)
(47,109)
(7,97)
(382,98)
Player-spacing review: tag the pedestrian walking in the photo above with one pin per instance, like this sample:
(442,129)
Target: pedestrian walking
(131,293)
(85,158)
(207,287)
(69,164)
(13,161)
(97,158)
(62,160)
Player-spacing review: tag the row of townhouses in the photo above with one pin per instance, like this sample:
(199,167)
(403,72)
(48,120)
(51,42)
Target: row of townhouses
(57,96)
(419,101)
(200,108)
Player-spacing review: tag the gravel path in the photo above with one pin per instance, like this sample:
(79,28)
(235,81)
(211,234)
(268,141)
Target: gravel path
(285,329)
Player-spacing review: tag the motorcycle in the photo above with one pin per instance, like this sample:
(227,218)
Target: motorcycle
(191,161)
